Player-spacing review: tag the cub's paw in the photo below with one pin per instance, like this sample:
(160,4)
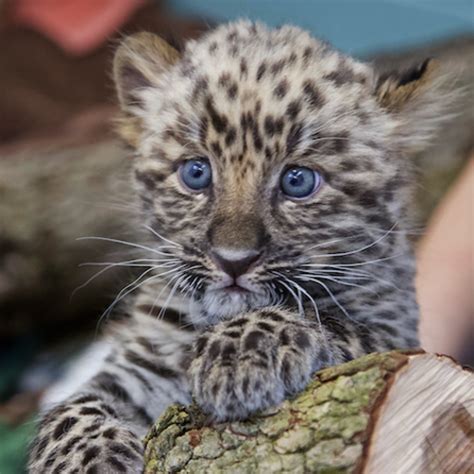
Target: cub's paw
(252,363)
(229,386)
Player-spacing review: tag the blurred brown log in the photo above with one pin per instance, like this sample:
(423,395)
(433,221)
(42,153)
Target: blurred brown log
(49,196)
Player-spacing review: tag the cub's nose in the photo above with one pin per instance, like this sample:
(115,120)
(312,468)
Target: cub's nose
(235,262)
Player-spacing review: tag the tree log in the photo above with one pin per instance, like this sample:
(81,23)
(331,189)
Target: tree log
(397,412)
(49,197)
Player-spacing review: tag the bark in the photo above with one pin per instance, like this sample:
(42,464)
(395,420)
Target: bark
(392,412)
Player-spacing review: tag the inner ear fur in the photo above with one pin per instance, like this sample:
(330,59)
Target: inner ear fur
(421,100)
(138,63)
(395,89)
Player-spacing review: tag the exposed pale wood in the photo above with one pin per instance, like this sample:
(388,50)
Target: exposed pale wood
(426,421)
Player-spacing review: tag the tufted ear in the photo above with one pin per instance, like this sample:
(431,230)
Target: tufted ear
(138,63)
(420,101)
(394,89)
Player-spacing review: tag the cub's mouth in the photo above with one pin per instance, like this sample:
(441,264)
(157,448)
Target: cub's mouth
(227,299)
(230,285)
(234,288)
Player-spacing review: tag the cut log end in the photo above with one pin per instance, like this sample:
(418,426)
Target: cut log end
(392,412)
(425,423)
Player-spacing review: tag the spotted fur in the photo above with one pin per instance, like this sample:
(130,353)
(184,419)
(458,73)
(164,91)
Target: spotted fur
(331,277)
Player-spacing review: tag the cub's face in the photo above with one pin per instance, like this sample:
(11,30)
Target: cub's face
(266,161)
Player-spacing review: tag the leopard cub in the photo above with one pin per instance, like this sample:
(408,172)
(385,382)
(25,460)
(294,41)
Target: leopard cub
(275,180)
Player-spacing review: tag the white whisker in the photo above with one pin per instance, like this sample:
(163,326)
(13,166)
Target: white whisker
(127,263)
(334,241)
(349,273)
(316,310)
(109,265)
(352,252)
(358,264)
(131,287)
(297,300)
(336,302)
(335,280)
(180,274)
(157,234)
(122,294)
(124,242)
(163,289)
(170,296)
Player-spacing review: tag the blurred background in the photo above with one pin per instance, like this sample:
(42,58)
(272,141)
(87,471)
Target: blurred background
(63,174)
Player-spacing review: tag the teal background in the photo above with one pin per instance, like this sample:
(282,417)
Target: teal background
(357,27)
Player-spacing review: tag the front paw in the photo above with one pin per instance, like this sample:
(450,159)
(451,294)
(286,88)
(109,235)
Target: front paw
(234,389)
(252,363)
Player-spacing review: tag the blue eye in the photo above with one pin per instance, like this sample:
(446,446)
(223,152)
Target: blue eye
(299,182)
(196,174)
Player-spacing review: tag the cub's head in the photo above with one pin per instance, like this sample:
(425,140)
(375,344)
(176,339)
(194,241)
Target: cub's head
(267,162)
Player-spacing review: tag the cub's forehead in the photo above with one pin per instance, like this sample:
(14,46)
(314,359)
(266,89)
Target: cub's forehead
(246,52)
(284,76)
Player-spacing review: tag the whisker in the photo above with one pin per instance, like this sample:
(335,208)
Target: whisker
(352,252)
(411,231)
(316,311)
(297,300)
(110,265)
(180,274)
(300,289)
(334,241)
(170,296)
(127,263)
(118,298)
(358,264)
(192,290)
(335,280)
(334,269)
(157,234)
(156,300)
(134,286)
(336,302)
(124,242)
(354,274)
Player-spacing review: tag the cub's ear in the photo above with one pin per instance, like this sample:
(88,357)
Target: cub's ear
(394,89)
(138,63)
(420,99)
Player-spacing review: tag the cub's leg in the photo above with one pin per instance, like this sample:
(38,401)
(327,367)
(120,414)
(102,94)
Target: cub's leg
(100,428)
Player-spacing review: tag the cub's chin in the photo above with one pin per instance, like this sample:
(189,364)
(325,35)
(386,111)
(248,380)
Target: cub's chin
(225,303)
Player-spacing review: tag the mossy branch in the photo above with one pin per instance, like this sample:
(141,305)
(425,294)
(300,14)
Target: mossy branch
(331,427)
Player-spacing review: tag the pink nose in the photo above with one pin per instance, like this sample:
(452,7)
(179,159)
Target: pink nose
(235,262)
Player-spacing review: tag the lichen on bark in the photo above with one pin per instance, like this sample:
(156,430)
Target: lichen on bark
(321,430)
